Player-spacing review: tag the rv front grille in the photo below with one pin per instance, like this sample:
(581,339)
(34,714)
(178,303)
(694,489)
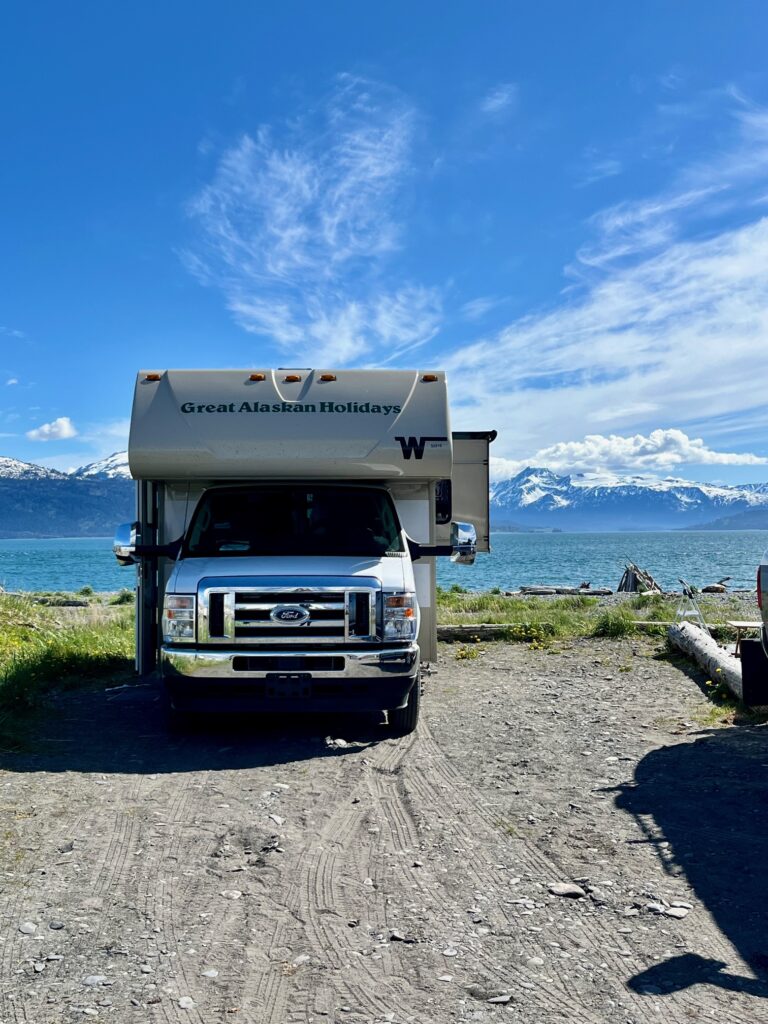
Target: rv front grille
(289,616)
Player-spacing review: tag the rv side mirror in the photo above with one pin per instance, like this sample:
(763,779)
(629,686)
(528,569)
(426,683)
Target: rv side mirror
(464,543)
(124,545)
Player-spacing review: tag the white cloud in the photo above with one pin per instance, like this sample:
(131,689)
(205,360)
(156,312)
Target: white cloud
(11,381)
(476,309)
(500,100)
(597,168)
(105,438)
(667,321)
(12,332)
(295,229)
(657,452)
(58,430)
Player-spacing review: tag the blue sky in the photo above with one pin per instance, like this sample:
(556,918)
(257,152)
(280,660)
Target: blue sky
(562,204)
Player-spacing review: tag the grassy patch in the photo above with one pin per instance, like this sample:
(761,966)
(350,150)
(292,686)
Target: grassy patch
(40,652)
(615,622)
(528,619)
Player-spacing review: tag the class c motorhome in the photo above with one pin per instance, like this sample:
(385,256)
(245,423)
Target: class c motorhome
(288,523)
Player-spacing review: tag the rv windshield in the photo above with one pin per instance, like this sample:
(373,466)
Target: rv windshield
(294,520)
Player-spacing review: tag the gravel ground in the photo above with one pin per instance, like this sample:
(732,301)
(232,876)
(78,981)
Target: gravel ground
(298,870)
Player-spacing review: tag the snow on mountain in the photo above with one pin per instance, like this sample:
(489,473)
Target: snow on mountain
(113,467)
(539,498)
(14,469)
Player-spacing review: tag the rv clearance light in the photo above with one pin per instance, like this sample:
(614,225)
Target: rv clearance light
(153,376)
(292,378)
(328,376)
(429,378)
(258,376)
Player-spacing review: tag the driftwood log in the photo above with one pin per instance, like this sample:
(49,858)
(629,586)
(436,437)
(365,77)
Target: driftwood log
(719,665)
(636,580)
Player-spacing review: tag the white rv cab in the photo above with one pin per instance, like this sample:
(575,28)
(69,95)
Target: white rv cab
(287,527)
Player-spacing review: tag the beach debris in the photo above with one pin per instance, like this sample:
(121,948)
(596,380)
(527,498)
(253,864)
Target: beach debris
(717,588)
(636,580)
(540,590)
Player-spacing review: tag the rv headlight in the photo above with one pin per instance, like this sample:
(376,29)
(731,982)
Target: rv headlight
(400,619)
(178,617)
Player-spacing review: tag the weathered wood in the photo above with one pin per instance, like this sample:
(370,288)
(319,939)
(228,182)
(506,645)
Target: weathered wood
(719,664)
(635,579)
(498,630)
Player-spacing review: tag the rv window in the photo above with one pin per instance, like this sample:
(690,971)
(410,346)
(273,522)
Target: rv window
(294,520)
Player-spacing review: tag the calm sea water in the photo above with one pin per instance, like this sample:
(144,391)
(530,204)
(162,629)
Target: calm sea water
(517,558)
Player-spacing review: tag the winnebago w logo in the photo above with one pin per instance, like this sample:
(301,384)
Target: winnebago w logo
(415,445)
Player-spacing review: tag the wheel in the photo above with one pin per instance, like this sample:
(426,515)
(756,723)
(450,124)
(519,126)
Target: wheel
(403,721)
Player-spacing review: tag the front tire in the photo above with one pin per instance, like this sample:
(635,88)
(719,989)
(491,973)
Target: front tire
(403,721)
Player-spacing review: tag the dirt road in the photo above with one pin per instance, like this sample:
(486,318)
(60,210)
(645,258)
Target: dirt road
(295,871)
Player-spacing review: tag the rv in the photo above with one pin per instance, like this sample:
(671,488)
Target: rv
(287,527)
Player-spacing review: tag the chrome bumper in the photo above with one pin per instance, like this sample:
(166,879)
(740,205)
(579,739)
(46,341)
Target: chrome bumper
(359,665)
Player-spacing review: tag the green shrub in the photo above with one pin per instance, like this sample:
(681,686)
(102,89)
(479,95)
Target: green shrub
(124,597)
(615,622)
(86,591)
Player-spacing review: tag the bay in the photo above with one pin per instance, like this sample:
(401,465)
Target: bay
(516,559)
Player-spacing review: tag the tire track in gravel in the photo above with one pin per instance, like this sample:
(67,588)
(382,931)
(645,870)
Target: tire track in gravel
(539,865)
(282,989)
(530,860)
(393,788)
(319,897)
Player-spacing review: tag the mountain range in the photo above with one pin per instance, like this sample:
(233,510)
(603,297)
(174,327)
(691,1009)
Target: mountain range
(89,502)
(537,498)
(92,500)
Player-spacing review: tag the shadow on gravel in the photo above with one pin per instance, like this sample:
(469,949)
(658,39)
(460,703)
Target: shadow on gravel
(709,801)
(128,732)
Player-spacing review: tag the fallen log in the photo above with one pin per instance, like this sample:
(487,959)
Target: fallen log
(719,664)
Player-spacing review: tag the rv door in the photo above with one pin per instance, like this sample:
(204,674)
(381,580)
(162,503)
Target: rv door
(469,482)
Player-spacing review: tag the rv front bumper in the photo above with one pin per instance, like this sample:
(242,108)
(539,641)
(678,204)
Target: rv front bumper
(299,680)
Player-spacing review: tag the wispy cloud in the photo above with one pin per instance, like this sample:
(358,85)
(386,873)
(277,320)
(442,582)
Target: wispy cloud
(11,381)
(596,167)
(658,452)
(12,332)
(500,100)
(478,308)
(666,322)
(298,222)
(58,430)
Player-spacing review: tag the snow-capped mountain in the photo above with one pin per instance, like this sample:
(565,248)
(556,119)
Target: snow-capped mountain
(113,467)
(539,498)
(14,469)
(40,502)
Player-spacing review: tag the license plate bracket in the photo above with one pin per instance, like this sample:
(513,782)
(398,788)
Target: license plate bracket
(288,685)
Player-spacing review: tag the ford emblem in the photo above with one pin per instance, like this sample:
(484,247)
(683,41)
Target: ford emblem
(290,613)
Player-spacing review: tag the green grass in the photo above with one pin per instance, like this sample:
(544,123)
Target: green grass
(42,649)
(615,622)
(529,619)
(539,619)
